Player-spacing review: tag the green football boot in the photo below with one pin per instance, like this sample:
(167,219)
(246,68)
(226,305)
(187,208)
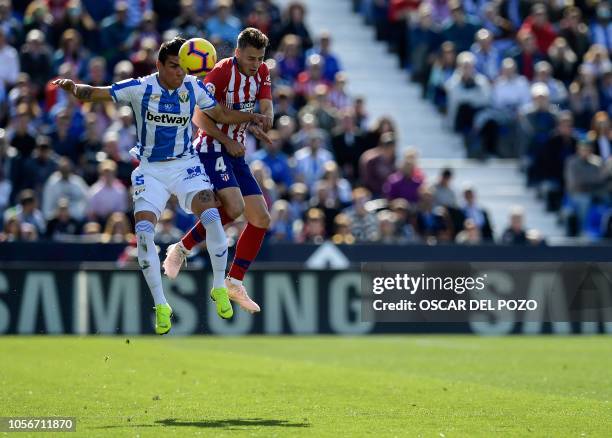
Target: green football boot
(163,313)
(224,306)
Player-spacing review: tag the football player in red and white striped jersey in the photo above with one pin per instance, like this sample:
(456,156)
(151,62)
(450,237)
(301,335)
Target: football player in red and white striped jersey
(240,82)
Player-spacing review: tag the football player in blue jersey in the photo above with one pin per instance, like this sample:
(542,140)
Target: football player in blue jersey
(163,104)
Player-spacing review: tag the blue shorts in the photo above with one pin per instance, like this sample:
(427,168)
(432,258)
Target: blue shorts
(226,171)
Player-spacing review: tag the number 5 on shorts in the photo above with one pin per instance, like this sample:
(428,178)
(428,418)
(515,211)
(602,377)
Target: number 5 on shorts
(220,165)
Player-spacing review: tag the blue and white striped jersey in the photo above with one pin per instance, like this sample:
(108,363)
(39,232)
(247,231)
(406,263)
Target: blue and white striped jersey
(163,118)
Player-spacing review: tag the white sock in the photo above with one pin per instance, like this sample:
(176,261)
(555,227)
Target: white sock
(216,243)
(149,260)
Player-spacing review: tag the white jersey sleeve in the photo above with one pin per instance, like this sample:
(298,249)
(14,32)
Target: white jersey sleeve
(126,91)
(204,98)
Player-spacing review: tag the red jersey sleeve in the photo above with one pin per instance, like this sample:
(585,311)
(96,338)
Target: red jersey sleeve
(265,90)
(218,79)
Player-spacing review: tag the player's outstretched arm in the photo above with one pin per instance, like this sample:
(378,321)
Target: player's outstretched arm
(203,121)
(221,114)
(83,92)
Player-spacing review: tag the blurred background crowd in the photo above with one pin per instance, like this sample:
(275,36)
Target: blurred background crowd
(518,79)
(515,78)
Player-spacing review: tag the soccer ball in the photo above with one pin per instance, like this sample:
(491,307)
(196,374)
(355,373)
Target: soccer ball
(197,56)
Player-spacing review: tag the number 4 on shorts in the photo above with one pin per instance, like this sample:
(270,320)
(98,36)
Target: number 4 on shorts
(220,165)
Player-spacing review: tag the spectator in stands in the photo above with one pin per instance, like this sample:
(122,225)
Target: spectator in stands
(443,193)
(470,235)
(39,166)
(117,229)
(71,51)
(281,226)
(510,92)
(189,23)
(62,225)
(556,88)
(433,224)
(308,80)
(290,59)
(488,58)
(147,31)
(64,183)
(259,18)
(108,194)
(563,61)
(388,229)
(261,173)
(8,21)
(364,222)
(277,162)
(405,219)
(598,59)
(284,104)
(165,231)
(339,188)
(559,148)
(406,182)
(338,96)
(298,200)
(326,199)
(144,59)
(35,58)
(441,71)
(538,121)
(375,165)
(585,176)
(310,159)
(313,230)
(515,11)
(501,28)
(126,132)
(21,132)
(468,93)
(460,29)
(348,144)
(37,17)
(318,105)
(114,34)
(12,230)
(584,96)
(424,41)
(78,18)
(601,135)
(515,233)
(537,23)
(601,27)
(527,53)
(64,142)
(9,61)
(293,23)
(383,124)
(6,188)
(27,211)
(331,63)
(223,24)
(342,230)
(575,31)
(473,211)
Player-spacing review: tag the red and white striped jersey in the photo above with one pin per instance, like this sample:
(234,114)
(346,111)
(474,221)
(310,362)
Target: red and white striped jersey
(236,91)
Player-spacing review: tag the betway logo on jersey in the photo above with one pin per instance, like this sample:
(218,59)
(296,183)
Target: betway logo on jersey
(167,119)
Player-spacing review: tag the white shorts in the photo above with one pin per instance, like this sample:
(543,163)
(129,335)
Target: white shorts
(153,183)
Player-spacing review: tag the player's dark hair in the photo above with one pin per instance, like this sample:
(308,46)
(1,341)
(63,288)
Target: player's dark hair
(170,48)
(252,37)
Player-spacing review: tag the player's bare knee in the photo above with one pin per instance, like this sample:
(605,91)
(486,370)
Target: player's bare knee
(235,208)
(202,201)
(262,219)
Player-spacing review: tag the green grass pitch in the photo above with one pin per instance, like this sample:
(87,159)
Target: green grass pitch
(378,386)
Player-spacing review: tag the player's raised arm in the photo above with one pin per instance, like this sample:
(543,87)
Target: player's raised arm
(83,92)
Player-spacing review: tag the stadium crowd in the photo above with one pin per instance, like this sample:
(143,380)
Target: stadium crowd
(330,173)
(519,78)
